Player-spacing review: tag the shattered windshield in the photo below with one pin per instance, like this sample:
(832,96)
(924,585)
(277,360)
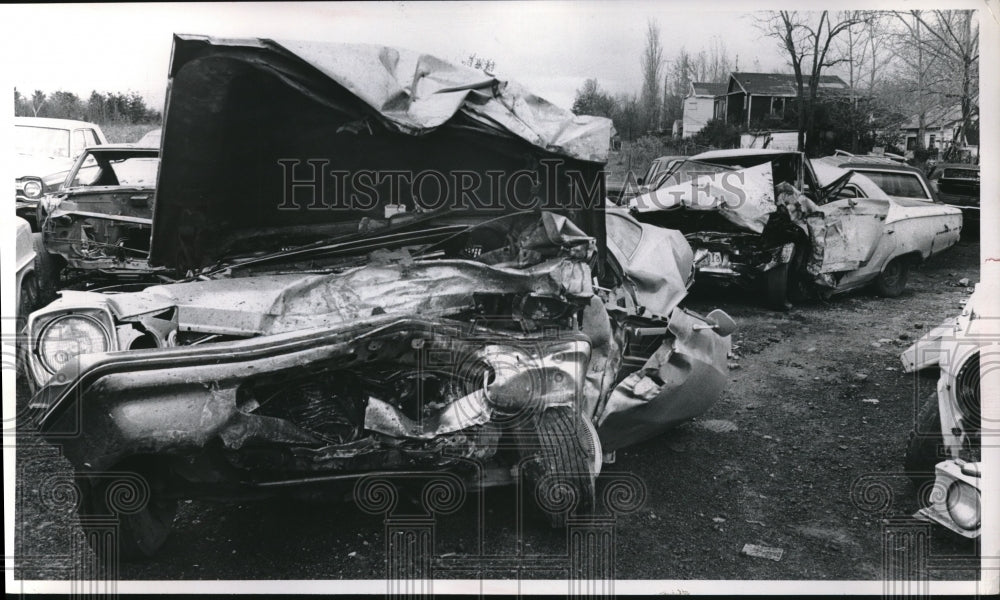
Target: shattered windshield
(41,141)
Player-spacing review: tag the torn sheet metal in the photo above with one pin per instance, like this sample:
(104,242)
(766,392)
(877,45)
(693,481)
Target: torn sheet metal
(417,93)
(467,411)
(744,197)
(659,262)
(681,380)
(318,139)
(844,236)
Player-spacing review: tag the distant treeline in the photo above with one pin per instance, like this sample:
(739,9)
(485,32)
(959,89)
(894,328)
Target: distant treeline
(107,107)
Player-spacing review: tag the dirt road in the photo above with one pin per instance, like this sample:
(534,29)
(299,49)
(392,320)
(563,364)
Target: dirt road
(817,404)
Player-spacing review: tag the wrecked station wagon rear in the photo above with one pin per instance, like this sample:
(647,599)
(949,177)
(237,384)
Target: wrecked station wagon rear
(344,316)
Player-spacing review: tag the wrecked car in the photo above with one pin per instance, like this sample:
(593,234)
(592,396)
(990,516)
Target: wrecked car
(25,283)
(943,452)
(328,332)
(96,225)
(45,149)
(957,185)
(772,219)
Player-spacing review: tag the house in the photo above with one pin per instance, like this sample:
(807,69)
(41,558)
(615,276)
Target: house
(700,106)
(941,125)
(752,97)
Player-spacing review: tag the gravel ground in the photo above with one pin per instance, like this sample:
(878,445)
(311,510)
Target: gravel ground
(817,404)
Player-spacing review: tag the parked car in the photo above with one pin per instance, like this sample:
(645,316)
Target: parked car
(46,149)
(772,219)
(151,139)
(96,225)
(622,191)
(957,185)
(943,452)
(322,338)
(898,181)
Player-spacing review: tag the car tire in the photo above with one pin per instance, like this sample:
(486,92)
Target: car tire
(561,461)
(46,271)
(776,288)
(140,533)
(922,448)
(892,280)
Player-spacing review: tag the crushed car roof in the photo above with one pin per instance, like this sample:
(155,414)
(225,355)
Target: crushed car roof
(246,121)
(416,93)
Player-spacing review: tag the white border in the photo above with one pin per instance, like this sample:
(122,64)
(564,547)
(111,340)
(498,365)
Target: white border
(990,272)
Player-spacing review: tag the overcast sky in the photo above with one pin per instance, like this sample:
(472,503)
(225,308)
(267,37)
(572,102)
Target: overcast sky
(551,47)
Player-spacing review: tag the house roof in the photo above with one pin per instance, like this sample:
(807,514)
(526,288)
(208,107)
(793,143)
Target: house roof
(937,117)
(779,84)
(709,89)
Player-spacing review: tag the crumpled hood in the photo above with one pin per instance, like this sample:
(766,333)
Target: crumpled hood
(271,304)
(26,165)
(287,142)
(744,197)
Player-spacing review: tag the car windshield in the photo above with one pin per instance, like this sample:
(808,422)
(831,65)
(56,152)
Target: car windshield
(902,185)
(138,171)
(41,141)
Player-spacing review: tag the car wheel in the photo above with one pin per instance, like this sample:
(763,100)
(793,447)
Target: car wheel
(776,288)
(923,446)
(134,503)
(561,461)
(892,280)
(46,270)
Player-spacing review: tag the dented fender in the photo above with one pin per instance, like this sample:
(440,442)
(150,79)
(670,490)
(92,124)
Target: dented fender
(681,380)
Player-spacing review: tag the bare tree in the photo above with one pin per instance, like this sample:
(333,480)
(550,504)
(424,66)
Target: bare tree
(946,42)
(652,67)
(808,48)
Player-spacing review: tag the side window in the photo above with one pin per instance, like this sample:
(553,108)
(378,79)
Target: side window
(77,143)
(91,137)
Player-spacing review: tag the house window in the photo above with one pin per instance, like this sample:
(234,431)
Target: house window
(930,143)
(911,142)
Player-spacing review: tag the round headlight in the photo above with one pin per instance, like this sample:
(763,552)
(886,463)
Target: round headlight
(963,505)
(70,336)
(32,188)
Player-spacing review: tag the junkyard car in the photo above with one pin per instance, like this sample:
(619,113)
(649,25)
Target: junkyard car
(958,185)
(519,330)
(898,181)
(775,219)
(46,149)
(96,225)
(26,285)
(151,139)
(943,451)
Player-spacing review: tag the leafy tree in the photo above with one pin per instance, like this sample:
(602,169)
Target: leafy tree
(591,100)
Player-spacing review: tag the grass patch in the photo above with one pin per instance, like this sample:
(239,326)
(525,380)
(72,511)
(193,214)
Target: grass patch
(126,133)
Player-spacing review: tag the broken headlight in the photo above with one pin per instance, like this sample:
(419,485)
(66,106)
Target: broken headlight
(963,505)
(69,336)
(31,188)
